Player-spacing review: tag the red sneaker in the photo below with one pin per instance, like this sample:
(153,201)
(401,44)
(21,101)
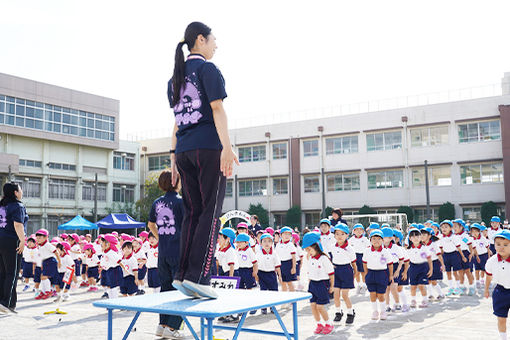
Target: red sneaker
(40,296)
(53,294)
(327,329)
(319,329)
(46,296)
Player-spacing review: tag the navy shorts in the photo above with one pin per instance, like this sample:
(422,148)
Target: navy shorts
(247,279)
(286,268)
(114,277)
(298,268)
(267,280)
(492,248)
(400,280)
(418,273)
(50,269)
(104,278)
(37,275)
(28,270)
(359,262)
(77,267)
(128,286)
(468,264)
(377,280)
(344,276)
(501,301)
(319,291)
(83,269)
(452,261)
(478,266)
(153,278)
(61,281)
(93,272)
(142,272)
(437,274)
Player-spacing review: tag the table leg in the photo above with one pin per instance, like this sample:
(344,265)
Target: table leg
(202,328)
(131,325)
(295,319)
(210,335)
(280,321)
(110,324)
(193,333)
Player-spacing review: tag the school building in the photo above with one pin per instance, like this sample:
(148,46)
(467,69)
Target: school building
(54,141)
(374,158)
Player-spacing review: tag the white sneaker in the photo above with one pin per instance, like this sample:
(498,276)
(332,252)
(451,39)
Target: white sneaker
(169,334)
(204,291)
(65,297)
(3,309)
(185,290)
(159,330)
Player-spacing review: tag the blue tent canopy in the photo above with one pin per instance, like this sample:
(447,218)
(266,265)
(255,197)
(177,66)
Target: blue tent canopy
(119,221)
(78,223)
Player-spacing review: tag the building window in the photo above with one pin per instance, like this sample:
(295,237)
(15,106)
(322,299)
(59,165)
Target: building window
(343,182)
(385,179)
(384,141)
(311,183)
(310,148)
(280,151)
(87,191)
(30,163)
(229,192)
(252,153)
(420,215)
(124,193)
(62,166)
(52,118)
(312,218)
(479,131)
(62,189)
(336,145)
(472,214)
(385,211)
(481,173)
(159,162)
(124,161)
(31,186)
(280,186)
(34,223)
(438,176)
(256,187)
(429,136)
(280,219)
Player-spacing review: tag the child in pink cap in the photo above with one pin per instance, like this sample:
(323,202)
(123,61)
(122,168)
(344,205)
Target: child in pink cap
(50,262)
(110,265)
(141,258)
(92,262)
(75,253)
(66,266)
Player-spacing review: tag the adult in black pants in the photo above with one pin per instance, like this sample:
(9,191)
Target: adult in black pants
(201,154)
(13,220)
(165,220)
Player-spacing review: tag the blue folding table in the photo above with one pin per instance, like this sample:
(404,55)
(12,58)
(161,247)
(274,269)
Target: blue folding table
(229,302)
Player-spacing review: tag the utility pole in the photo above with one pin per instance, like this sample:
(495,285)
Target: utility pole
(427,192)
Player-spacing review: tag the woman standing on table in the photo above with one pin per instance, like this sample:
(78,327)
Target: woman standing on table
(13,220)
(201,154)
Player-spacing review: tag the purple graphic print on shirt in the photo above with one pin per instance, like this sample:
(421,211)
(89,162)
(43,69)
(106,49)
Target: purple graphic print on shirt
(3,217)
(165,219)
(187,110)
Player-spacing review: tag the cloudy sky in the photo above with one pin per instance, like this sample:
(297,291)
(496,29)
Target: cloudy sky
(276,56)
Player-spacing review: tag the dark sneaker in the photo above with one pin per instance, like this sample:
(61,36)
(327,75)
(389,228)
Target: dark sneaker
(263,311)
(338,317)
(104,296)
(350,318)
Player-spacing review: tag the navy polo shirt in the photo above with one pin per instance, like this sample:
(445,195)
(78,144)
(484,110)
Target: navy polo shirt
(12,212)
(335,222)
(167,212)
(193,113)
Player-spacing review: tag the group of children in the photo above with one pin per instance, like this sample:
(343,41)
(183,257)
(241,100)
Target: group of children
(118,263)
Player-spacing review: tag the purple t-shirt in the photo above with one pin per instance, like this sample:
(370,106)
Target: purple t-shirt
(193,113)
(10,213)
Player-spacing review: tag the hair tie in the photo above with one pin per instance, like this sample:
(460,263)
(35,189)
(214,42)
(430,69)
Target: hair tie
(183,41)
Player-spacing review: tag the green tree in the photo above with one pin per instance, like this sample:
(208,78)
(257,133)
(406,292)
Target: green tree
(366,210)
(150,194)
(488,210)
(294,216)
(405,209)
(261,213)
(327,212)
(446,211)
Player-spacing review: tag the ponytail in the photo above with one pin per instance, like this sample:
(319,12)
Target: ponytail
(190,36)
(9,190)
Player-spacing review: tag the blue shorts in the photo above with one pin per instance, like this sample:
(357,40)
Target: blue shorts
(452,261)
(298,268)
(492,248)
(153,278)
(483,261)
(93,272)
(37,275)
(377,280)
(128,286)
(83,269)
(319,291)
(61,282)
(437,274)
(142,272)
(359,262)
(418,273)
(28,270)
(501,301)
(77,267)
(114,277)
(286,268)
(267,280)
(468,264)
(104,278)
(247,279)
(344,276)
(49,269)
